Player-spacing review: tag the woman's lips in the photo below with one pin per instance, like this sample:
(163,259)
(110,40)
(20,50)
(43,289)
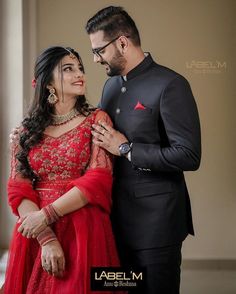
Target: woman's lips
(78,83)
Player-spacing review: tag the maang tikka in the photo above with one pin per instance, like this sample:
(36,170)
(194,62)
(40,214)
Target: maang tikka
(52,98)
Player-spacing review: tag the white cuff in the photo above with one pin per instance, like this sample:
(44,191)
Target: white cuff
(129,155)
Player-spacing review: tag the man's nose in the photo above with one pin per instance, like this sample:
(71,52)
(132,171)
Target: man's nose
(96,58)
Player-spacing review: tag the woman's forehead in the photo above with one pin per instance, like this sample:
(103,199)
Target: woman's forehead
(69,59)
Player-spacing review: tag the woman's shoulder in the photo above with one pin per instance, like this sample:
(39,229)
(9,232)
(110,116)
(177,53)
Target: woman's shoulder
(100,114)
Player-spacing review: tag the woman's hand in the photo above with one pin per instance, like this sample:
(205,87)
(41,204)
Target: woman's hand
(32,224)
(53,259)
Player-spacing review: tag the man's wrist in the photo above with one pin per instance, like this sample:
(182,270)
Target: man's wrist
(128,155)
(124,149)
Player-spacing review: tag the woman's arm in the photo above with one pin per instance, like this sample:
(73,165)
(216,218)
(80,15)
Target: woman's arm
(70,201)
(26,206)
(35,220)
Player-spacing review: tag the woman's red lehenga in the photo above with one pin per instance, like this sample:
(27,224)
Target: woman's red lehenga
(85,235)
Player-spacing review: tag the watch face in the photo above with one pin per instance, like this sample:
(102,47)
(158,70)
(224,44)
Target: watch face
(124,148)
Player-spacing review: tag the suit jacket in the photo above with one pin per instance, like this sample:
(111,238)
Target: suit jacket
(154,107)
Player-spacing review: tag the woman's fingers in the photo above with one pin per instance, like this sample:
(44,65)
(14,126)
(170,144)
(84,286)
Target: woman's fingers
(61,265)
(32,224)
(52,258)
(54,263)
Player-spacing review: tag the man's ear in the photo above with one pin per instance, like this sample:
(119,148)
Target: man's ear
(123,42)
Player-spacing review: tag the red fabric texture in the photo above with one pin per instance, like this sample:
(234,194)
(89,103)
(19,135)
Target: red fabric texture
(97,192)
(17,191)
(86,234)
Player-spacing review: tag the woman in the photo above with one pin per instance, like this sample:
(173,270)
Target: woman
(59,186)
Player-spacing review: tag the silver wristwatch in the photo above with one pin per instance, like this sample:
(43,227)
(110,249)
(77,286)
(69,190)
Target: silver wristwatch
(124,148)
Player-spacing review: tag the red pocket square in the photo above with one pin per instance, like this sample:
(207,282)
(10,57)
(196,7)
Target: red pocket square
(139,106)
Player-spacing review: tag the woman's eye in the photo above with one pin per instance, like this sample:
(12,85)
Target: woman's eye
(68,69)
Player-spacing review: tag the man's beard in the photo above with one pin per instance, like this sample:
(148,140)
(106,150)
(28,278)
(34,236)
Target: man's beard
(117,64)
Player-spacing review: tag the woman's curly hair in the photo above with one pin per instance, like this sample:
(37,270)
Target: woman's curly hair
(40,112)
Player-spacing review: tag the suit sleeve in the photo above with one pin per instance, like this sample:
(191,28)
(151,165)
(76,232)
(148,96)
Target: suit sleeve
(180,119)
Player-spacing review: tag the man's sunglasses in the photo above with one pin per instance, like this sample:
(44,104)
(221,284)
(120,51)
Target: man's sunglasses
(97,51)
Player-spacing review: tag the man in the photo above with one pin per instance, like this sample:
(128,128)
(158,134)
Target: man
(156,137)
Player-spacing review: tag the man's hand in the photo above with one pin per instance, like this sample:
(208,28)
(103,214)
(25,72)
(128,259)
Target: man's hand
(32,224)
(107,137)
(14,135)
(53,259)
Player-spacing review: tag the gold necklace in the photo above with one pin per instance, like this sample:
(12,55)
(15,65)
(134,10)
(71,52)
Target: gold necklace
(60,119)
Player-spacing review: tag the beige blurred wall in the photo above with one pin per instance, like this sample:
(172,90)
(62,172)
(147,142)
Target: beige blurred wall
(196,39)
(11,97)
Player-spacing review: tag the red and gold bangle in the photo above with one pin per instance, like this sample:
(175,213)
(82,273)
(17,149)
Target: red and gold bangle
(50,214)
(46,236)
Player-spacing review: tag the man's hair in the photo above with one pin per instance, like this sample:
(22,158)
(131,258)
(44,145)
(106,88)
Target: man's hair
(114,21)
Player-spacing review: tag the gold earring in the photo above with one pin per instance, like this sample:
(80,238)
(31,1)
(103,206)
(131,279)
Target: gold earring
(52,98)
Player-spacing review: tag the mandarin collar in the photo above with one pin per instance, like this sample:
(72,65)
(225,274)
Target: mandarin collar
(147,61)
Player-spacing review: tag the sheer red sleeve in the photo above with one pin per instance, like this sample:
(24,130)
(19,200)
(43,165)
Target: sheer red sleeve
(96,183)
(99,156)
(18,187)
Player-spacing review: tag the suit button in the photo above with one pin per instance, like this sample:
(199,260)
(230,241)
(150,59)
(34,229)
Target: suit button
(123,89)
(118,110)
